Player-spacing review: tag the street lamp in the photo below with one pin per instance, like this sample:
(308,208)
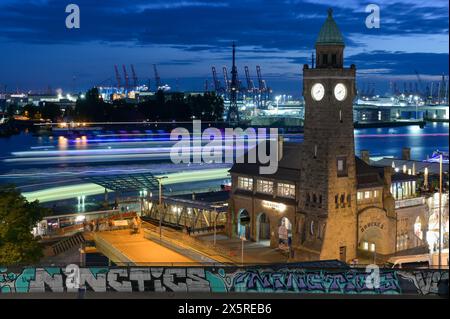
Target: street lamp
(215,221)
(440,210)
(160,178)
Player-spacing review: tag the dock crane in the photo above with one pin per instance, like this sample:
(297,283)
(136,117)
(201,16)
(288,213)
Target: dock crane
(117,77)
(127,84)
(250,87)
(135,79)
(157,78)
(216,81)
(262,86)
(260,81)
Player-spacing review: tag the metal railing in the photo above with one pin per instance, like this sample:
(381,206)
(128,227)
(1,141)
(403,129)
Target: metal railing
(409,202)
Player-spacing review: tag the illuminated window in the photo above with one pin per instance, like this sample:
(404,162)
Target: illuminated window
(376,193)
(245,183)
(286,190)
(367,194)
(360,195)
(264,186)
(365,245)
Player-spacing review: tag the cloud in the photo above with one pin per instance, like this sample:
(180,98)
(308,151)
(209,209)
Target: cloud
(188,36)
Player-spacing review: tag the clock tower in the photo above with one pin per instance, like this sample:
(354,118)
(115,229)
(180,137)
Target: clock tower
(327,202)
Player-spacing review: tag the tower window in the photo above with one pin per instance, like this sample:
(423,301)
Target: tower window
(349,200)
(341,163)
(333,59)
(325,59)
(336,200)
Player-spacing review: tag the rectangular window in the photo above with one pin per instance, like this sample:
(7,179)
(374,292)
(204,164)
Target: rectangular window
(360,195)
(245,183)
(286,190)
(264,186)
(341,163)
(367,194)
(376,194)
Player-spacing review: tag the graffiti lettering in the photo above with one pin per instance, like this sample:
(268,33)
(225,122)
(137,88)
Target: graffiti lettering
(224,279)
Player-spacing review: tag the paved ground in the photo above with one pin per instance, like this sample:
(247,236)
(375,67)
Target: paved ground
(226,250)
(254,252)
(143,251)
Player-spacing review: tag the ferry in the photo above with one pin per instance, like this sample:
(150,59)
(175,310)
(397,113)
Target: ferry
(435,157)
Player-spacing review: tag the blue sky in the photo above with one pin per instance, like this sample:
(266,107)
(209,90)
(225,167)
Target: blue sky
(185,38)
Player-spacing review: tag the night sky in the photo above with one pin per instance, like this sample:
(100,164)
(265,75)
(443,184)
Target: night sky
(185,38)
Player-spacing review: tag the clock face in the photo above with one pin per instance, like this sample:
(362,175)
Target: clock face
(340,92)
(317,91)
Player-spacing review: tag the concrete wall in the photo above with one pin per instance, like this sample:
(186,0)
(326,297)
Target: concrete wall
(281,278)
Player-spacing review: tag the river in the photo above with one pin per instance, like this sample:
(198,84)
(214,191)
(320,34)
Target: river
(40,163)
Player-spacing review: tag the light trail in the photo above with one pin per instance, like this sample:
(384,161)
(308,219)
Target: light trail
(89,189)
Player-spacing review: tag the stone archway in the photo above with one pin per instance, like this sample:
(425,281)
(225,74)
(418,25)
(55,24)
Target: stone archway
(243,229)
(371,240)
(263,229)
(284,233)
(376,232)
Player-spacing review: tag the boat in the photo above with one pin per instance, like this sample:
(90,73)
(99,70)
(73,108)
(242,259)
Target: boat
(435,157)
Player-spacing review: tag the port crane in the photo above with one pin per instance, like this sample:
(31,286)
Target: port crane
(157,78)
(127,84)
(216,81)
(117,77)
(135,79)
(250,86)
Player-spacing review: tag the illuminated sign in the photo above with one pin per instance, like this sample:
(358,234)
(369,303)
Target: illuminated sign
(273,205)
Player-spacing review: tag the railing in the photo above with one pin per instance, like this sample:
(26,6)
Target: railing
(67,243)
(409,202)
(202,247)
(114,254)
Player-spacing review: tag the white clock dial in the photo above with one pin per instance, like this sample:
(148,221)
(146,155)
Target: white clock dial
(340,92)
(317,91)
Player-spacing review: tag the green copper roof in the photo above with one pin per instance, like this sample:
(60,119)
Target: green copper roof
(330,34)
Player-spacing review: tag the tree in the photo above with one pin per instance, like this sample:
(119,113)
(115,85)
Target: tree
(31,111)
(17,219)
(51,111)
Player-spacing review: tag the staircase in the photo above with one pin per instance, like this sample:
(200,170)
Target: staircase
(67,243)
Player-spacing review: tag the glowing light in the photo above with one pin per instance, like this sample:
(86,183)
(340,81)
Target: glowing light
(274,205)
(80,218)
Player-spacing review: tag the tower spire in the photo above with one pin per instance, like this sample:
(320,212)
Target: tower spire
(233,112)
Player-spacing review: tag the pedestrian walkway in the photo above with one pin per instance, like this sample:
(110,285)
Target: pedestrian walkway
(142,251)
(226,250)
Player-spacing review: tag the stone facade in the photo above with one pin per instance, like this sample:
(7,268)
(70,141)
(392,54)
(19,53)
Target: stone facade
(341,205)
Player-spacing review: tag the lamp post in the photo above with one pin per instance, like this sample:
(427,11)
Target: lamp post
(160,178)
(242,250)
(215,222)
(440,210)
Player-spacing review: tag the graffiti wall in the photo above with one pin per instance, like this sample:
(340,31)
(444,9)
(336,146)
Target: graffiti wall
(222,279)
